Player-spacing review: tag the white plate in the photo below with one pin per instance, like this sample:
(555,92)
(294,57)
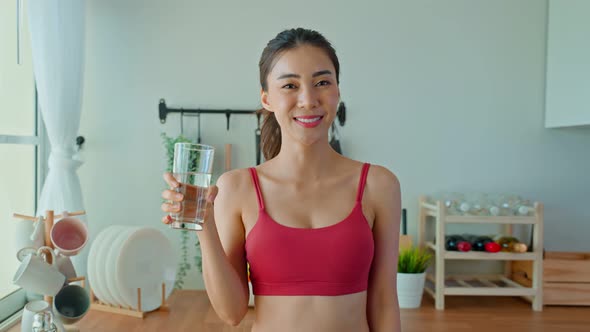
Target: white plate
(146,261)
(92,277)
(101,276)
(113,252)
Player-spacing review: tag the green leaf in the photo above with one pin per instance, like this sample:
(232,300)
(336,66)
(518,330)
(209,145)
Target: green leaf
(413,260)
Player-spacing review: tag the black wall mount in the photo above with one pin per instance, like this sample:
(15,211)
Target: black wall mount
(164,110)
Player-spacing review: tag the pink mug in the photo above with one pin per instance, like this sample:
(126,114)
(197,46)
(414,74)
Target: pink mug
(69,235)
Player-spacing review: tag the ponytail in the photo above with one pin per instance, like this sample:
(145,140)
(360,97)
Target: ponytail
(270,134)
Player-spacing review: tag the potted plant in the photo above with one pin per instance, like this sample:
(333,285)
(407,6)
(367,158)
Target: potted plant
(411,275)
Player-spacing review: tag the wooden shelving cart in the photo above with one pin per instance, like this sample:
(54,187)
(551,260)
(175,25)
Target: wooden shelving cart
(439,284)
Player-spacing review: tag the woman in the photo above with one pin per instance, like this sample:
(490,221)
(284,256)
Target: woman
(320,231)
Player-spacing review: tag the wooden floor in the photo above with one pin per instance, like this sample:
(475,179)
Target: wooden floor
(191,311)
(493,314)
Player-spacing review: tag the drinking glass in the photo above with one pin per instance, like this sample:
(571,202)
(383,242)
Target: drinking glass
(192,168)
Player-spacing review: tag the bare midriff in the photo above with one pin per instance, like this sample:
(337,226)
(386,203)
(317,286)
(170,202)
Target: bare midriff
(311,313)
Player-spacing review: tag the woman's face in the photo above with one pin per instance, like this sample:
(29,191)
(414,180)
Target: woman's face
(303,94)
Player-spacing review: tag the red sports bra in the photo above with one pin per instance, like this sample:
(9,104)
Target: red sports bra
(329,261)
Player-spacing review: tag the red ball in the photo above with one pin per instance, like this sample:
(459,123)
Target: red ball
(492,247)
(464,246)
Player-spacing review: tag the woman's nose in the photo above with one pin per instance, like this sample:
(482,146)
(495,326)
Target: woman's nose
(308,99)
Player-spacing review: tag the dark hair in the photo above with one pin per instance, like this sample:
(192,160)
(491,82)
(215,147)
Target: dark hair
(284,41)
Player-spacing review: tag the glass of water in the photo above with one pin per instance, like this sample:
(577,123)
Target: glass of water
(192,168)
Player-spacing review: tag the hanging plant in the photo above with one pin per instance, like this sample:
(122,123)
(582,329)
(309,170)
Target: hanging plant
(183,266)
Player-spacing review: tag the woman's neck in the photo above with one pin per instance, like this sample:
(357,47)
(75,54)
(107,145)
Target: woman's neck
(310,161)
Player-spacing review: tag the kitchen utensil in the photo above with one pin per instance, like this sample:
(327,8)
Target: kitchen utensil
(71,304)
(257,133)
(146,260)
(64,263)
(92,264)
(228,148)
(24,235)
(101,261)
(69,235)
(335,139)
(43,322)
(112,252)
(36,275)
(29,312)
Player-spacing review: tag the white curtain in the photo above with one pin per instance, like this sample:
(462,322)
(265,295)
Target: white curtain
(57,30)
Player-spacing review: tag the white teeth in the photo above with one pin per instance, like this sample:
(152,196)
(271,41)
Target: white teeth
(308,120)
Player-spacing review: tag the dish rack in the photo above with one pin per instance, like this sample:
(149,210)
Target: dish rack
(439,284)
(95,303)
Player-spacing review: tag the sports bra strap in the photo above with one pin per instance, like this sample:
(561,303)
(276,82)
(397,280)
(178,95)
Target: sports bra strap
(359,196)
(257,186)
(362,182)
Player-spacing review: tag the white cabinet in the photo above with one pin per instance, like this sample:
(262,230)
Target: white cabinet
(567,96)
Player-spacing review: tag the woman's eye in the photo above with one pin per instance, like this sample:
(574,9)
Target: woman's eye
(322,83)
(289,86)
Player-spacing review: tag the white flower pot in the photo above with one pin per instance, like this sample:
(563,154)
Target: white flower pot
(410,287)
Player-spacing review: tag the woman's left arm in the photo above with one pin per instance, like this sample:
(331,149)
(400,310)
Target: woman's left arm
(383,192)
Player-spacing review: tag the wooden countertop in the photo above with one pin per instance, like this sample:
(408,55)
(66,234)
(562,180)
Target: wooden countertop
(190,310)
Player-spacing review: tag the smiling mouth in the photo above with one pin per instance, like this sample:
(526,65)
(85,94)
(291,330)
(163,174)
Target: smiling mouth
(308,119)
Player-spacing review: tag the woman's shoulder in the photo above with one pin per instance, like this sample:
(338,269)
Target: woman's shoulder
(235,178)
(382,190)
(235,186)
(378,173)
(381,180)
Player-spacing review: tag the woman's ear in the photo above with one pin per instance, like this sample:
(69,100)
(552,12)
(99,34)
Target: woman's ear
(264,100)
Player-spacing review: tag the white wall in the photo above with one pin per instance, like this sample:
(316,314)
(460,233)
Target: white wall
(448,95)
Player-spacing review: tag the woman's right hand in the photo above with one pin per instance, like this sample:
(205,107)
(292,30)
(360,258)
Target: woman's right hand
(174,198)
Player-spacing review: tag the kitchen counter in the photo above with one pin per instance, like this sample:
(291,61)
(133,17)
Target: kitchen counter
(190,310)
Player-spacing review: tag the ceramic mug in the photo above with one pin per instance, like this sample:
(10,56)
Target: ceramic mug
(23,252)
(29,312)
(71,304)
(69,235)
(36,275)
(63,263)
(65,266)
(27,236)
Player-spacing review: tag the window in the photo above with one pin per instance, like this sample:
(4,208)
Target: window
(22,148)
